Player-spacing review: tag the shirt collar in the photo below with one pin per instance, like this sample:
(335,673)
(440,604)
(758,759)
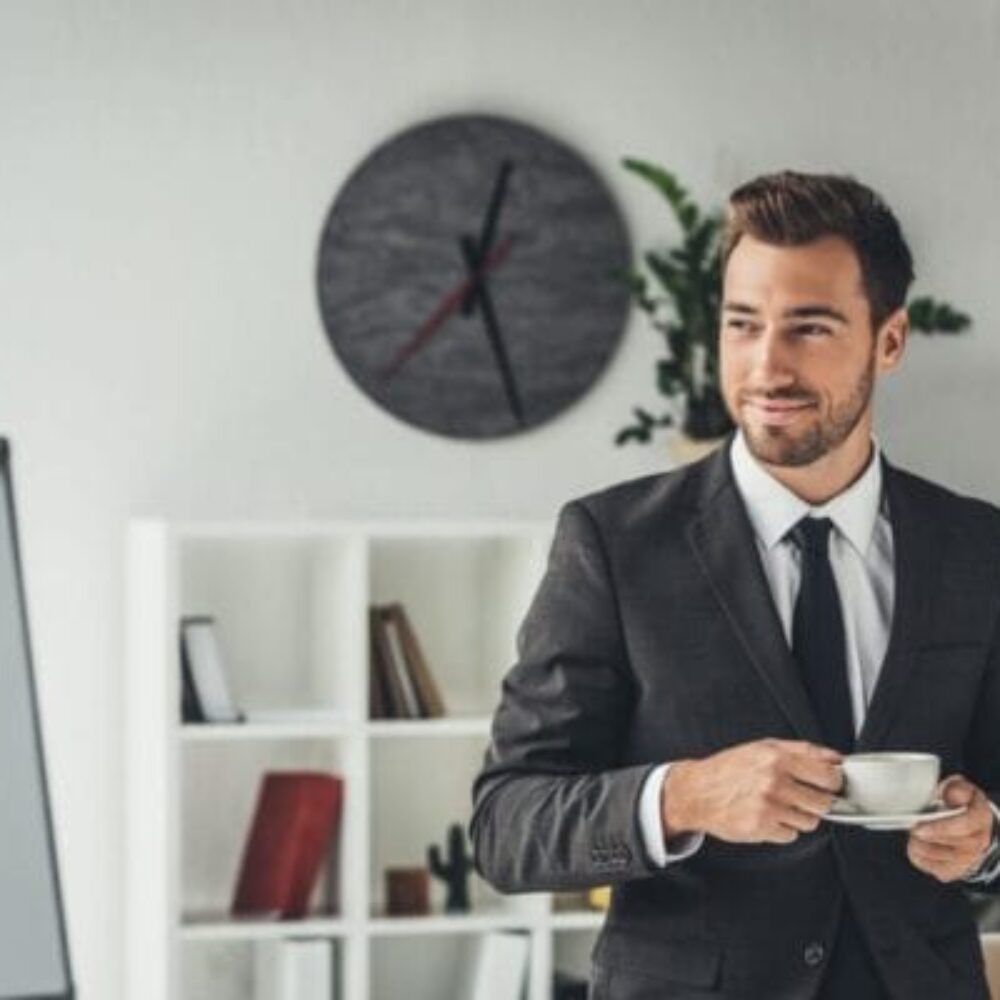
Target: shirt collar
(774,509)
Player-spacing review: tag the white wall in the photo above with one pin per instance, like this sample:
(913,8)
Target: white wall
(164,173)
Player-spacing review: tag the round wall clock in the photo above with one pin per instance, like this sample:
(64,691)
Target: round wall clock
(470,276)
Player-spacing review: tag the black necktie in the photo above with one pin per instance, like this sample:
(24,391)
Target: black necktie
(818,635)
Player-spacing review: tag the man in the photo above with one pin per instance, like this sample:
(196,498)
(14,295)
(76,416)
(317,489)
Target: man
(706,645)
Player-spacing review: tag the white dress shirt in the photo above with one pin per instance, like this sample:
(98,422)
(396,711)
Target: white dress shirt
(861,558)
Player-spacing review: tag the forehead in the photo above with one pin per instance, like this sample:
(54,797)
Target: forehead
(825,270)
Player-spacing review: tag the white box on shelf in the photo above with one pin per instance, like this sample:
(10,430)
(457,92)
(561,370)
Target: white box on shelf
(499,967)
(294,969)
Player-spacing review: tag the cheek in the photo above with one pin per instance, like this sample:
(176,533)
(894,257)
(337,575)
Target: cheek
(732,370)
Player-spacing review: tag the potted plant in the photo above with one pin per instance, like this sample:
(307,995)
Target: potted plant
(679,288)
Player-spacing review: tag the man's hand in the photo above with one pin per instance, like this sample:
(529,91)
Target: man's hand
(951,849)
(766,791)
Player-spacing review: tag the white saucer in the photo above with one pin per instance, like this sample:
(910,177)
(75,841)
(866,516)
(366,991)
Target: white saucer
(841,812)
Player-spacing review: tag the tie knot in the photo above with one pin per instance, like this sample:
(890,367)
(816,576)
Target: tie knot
(811,534)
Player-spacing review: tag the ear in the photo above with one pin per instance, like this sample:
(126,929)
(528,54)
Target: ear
(890,341)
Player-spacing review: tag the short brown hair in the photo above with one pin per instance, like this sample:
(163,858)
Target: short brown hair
(790,209)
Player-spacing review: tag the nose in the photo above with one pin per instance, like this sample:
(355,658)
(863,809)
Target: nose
(771,366)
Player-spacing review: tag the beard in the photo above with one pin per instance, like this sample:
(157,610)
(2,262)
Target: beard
(783,446)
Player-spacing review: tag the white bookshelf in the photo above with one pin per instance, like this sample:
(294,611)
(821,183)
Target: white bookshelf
(291,601)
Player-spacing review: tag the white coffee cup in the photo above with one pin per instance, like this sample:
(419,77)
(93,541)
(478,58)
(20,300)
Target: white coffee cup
(890,782)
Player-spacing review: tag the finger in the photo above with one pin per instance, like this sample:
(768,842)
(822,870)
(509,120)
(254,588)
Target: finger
(969,823)
(944,868)
(817,772)
(937,853)
(965,857)
(796,819)
(780,833)
(972,848)
(956,790)
(943,873)
(803,797)
(804,748)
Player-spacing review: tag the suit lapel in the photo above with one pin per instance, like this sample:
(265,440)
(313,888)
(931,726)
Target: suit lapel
(722,539)
(917,550)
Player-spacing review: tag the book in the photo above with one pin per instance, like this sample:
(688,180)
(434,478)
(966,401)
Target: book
(401,685)
(205,695)
(400,665)
(378,697)
(427,692)
(295,824)
(294,969)
(499,967)
(386,669)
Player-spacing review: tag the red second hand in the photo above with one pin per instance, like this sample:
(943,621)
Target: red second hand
(447,306)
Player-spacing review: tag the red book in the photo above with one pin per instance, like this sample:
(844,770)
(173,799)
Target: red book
(294,826)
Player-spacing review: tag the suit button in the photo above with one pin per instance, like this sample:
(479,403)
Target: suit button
(813,953)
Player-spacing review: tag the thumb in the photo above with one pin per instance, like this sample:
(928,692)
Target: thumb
(957,791)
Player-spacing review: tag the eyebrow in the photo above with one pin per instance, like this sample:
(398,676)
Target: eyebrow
(799,312)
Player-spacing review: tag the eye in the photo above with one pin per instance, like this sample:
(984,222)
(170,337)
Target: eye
(813,329)
(738,324)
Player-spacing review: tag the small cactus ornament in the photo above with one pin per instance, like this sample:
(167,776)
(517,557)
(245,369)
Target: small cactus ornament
(455,873)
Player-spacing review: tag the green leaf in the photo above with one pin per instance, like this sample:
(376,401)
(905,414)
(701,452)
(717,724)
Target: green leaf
(668,377)
(638,434)
(667,274)
(638,285)
(927,315)
(667,184)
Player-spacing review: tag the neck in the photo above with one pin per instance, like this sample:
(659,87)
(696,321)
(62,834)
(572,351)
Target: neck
(830,474)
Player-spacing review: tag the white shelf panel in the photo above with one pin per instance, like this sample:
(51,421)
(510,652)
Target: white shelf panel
(223,733)
(473,725)
(585,920)
(452,923)
(218,927)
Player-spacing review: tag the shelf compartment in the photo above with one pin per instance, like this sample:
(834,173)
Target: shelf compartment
(220,782)
(418,789)
(289,613)
(571,951)
(224,969)
(421,968)
(465,596)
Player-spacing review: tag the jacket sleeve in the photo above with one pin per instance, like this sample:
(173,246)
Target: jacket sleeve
(553,808)
(982,757)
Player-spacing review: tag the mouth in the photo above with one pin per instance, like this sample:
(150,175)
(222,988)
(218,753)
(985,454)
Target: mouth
(776,413)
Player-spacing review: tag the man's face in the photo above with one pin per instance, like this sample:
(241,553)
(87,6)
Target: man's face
(798,356)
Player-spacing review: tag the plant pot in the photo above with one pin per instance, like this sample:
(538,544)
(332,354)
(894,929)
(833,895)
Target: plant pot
(684,450)
(705,416)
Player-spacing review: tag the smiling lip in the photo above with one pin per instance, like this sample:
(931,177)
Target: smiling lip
(777,413)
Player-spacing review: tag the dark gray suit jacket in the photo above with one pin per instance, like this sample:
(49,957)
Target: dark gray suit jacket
(653,637)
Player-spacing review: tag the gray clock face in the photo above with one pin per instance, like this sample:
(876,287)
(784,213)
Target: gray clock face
(470,276)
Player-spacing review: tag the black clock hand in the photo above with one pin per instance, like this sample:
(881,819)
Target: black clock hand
(448,305)
(482,293)
(487,232)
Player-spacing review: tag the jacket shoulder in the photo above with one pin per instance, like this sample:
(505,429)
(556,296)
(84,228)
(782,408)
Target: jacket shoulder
(961,515)
(666,498)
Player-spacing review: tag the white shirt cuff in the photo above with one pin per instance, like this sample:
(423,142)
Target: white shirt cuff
(659,850)
(989,867)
